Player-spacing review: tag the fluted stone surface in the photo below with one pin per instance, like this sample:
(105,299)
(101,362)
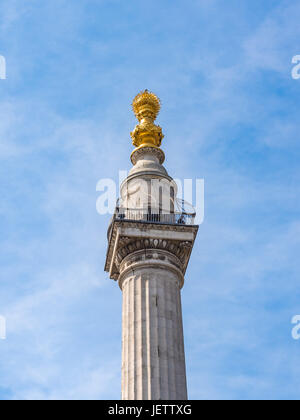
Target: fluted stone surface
(153,361)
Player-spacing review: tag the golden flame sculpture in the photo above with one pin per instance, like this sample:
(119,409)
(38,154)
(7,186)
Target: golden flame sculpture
(146,106)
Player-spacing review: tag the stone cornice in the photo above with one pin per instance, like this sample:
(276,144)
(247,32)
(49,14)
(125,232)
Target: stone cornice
(127,237)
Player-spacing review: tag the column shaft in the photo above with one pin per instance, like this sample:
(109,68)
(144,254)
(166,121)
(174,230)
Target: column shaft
(153,361)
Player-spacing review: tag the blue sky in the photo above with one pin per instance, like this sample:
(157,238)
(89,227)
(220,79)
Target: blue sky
(230,115)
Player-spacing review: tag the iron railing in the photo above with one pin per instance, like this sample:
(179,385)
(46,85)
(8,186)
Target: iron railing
(180,218)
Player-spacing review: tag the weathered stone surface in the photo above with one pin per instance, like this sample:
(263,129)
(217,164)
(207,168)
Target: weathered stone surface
(130,236)
(153,361)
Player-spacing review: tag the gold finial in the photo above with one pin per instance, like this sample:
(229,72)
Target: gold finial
(146,106)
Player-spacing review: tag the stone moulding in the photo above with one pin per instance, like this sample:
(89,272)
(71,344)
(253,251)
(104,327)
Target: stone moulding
(140,152)
(150,259)
(128,237)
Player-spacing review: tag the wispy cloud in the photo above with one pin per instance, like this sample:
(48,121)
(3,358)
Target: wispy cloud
(229,114)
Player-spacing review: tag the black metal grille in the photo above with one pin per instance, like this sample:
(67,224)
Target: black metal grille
(149,216)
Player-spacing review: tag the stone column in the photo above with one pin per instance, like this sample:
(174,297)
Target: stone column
(150,240)
(153,361)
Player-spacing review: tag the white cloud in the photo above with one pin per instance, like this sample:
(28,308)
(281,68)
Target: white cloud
(64,315)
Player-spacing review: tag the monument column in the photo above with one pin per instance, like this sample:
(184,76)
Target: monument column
(150,242)
(153,363)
